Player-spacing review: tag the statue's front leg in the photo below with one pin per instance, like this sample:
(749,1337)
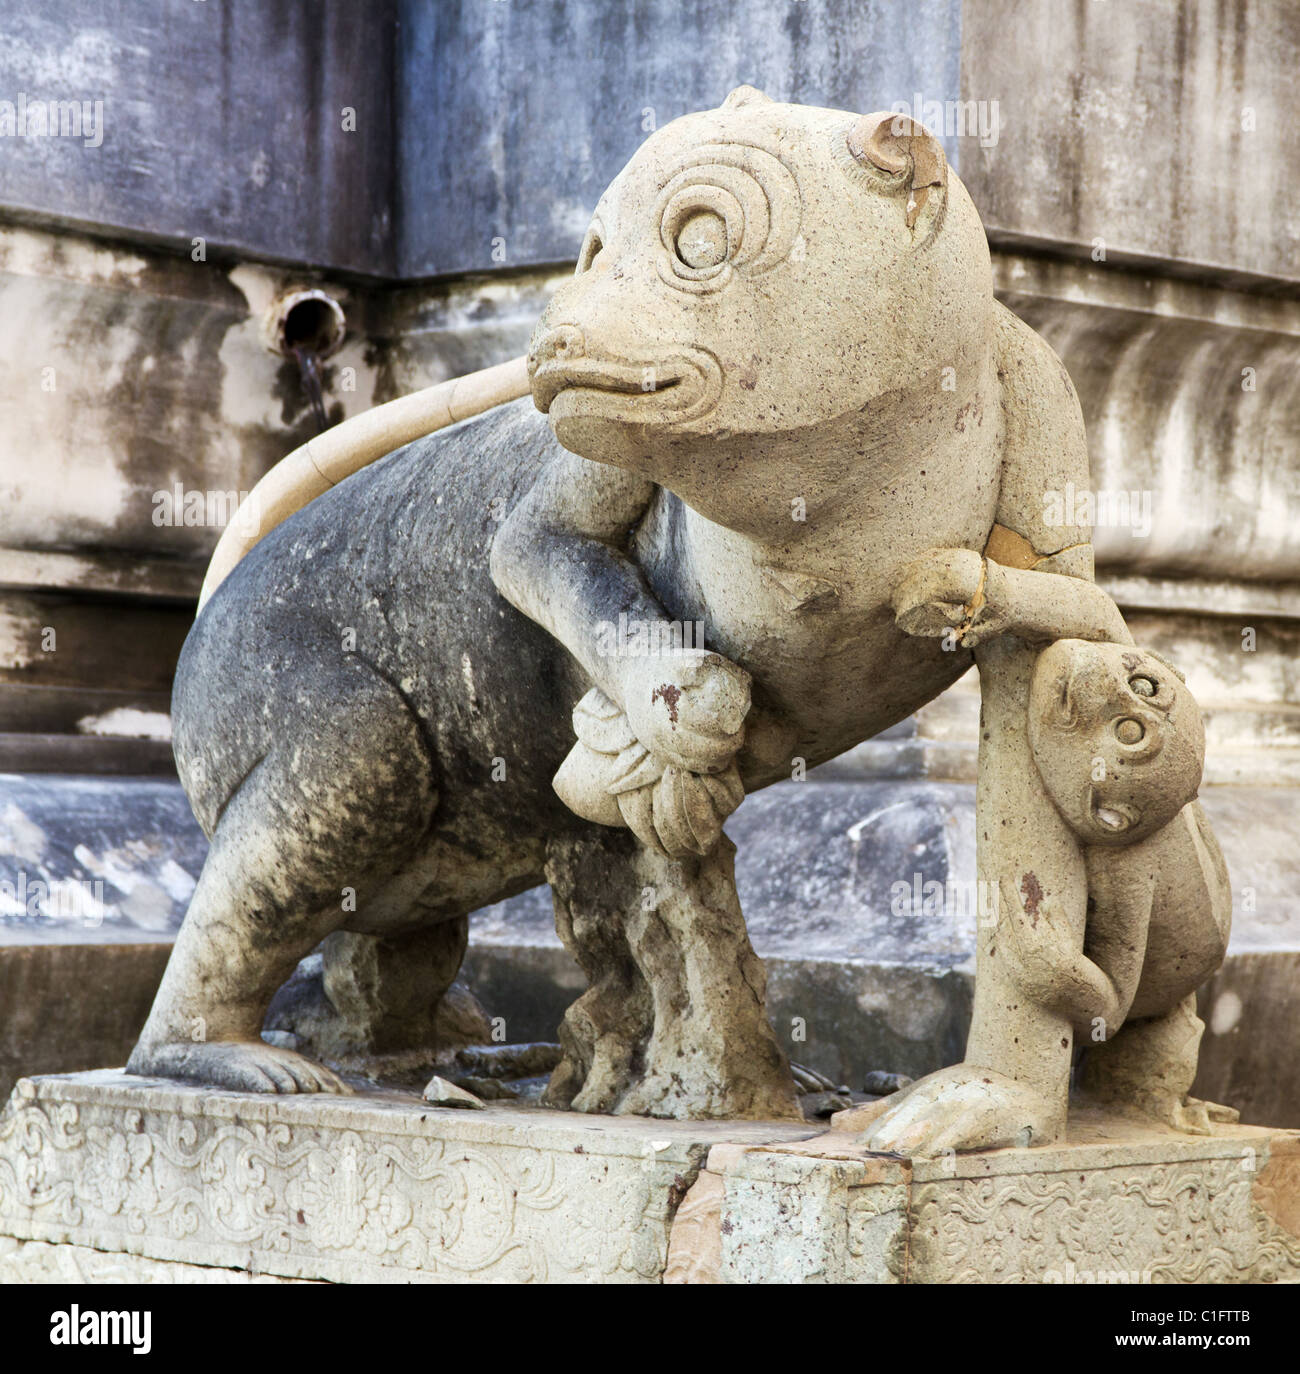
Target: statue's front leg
(1013,1086)
(712,1052)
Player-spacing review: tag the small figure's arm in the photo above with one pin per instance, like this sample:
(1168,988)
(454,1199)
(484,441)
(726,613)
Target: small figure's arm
(1094,987)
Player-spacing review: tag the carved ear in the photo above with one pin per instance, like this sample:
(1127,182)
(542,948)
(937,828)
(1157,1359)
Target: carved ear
(895,143)
(745,95)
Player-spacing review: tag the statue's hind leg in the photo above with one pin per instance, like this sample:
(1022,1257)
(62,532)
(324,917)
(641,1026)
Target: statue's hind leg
(317,820)
(385,1005)
(712,1052)
(595,884)
(674,1023)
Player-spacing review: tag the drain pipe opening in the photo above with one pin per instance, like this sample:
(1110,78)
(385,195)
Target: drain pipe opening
(307,321)
(308,326)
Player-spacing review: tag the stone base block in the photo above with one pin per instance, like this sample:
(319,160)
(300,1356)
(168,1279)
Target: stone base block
(373,1188)
(1119,1202)
(110,1178)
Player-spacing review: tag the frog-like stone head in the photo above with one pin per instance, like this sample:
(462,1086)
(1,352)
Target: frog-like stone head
(771,299)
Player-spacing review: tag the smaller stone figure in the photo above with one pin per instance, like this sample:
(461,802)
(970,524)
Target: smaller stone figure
(1119,743)
(1117,748)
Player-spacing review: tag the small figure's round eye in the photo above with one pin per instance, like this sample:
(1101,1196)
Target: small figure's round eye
(1129,731)
(702,240)
(1143,686)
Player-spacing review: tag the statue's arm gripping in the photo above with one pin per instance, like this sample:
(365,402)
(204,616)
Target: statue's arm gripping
(560,558)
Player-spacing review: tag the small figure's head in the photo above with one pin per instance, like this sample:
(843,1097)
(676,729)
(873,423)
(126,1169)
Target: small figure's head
(758,274)
(1117,738)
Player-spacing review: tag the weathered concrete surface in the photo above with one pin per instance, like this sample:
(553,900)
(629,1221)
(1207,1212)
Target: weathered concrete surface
(1164,130)
(97,860)
(95,876)
(140,401)
(1249,1010)
(1190,399)
(65,1007)
(1084,97)
(218,121)
(527,180)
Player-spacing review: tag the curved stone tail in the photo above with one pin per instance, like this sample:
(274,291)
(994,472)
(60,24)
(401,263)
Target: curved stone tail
(326,460)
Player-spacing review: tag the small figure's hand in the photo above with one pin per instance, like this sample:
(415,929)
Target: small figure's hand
(939,592)
(688,708)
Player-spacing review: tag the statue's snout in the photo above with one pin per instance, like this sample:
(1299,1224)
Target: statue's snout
(561,344)
(552,351)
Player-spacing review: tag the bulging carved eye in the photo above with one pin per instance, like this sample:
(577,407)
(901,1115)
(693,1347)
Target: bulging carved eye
(1129,731)
(702,239)
(731,208)
(1143,686)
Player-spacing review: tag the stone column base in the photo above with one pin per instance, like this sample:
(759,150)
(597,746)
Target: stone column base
(111,1178)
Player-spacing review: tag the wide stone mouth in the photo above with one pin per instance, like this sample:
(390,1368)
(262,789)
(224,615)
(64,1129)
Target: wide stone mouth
(675,387)
(1114,817)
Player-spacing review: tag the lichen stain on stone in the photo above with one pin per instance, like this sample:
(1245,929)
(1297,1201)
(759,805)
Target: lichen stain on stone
(1031,890)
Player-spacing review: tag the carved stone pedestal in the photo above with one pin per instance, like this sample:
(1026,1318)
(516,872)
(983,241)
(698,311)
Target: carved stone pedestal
(1118,1203)
(107,1178)
(374,1188)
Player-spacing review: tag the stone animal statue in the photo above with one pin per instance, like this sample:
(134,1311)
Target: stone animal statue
(1126,908)
(778,376)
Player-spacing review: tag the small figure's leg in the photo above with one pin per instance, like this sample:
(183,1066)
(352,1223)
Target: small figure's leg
(713,1053)
(337,809)
(603,1033)
(1150,1065)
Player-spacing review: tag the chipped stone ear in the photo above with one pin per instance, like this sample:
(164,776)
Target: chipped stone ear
(745,95)
(893,143)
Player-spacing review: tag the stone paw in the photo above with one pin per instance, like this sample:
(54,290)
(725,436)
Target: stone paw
(1187,1114)
(965,1108)
(660,1095)
(1218,1113)
(599,1088)
(250,1066)
(716,1097)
